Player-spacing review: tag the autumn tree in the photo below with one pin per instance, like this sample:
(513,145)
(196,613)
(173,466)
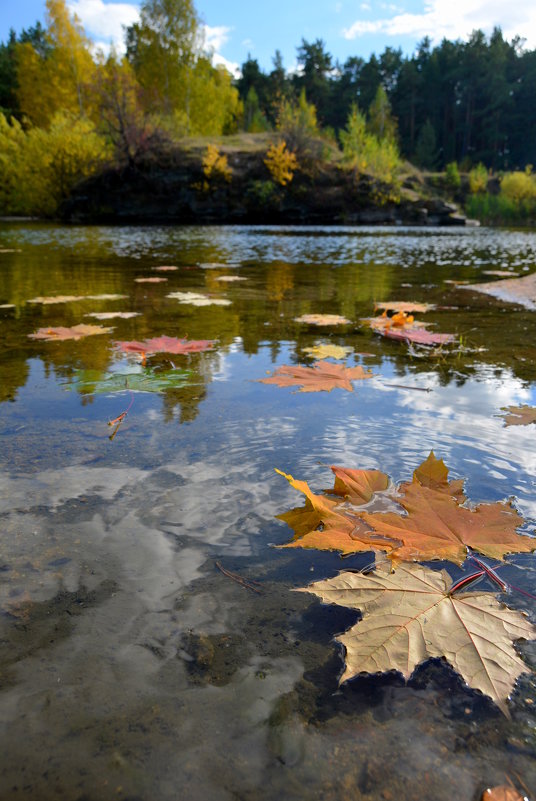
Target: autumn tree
(162,49)
(57,75)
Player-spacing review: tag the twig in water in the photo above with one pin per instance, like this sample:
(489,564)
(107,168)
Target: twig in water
(122,416)
(249,585)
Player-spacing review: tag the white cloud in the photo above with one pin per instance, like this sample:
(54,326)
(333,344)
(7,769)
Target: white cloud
(456,19)
(104,22)
(230,66)
(216,37)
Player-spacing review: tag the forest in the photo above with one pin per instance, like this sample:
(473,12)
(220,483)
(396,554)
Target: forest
(459,107)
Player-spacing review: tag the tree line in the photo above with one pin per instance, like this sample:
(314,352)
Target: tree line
(65,109)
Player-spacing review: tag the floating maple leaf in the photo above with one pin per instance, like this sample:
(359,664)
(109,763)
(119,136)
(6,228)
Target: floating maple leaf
(321,376)
(519,415)
(166,268)
(405,306)
(322,319)
(196,299)
(328,351)
(112,315)
(166,345)
(502,793)
(409,617)
(71,298)
(403,327)
(325,525)
(513,290)
(435,524)
(151,280)
(147,380)
(76,332)
(230,278)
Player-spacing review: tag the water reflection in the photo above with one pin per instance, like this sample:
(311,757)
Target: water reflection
(132,666)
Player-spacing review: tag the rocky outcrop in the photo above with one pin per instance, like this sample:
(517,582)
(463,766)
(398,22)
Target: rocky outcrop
(177,192)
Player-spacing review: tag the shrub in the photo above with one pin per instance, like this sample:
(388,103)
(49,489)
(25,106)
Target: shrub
(478,179)
(452,175)
(281,163)
(215,167)
(519,186)
(39,167)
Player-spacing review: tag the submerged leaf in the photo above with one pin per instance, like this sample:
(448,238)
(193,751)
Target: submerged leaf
(519,415)
(321,376)
(76,332)
(322,319)
(165,344)
(409,617)
(95,382)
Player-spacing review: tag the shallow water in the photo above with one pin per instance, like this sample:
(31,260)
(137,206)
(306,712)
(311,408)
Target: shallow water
(132,667)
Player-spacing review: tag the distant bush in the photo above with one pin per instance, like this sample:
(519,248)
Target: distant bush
(519,186)
(368,155)
(281,163)
(264,194)
(40,167)
(298,125)
(478,179)
(452,175)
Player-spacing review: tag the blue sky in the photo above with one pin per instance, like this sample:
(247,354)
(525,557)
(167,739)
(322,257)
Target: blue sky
(348,27)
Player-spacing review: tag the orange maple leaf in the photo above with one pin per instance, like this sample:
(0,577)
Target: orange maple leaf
(321,376)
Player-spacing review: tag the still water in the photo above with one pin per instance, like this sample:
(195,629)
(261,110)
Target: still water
(132,666)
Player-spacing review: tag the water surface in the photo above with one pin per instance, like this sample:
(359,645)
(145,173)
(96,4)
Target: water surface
(132,667)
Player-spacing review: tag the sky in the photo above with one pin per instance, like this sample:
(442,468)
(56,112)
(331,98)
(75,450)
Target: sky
(237,28)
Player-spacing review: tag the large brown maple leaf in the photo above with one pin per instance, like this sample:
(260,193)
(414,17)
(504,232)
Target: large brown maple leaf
(321,376)
(519,415)
(409,616)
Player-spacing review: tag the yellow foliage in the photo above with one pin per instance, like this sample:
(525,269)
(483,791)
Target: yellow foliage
(40,167)
(478,179)
(281,163)
(519,186)
(60,80)
(215,166)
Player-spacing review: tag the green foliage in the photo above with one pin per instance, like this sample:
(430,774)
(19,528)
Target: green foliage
(297,123)
(452,175)
(368,155)
(426,151)
(264,194)
(478,179)
(162,50)
(40,167)
(281,163)
(381,123)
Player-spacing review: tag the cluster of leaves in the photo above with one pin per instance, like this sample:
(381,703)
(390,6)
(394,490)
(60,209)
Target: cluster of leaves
(215,168)
(411,614)
(403,326)
(281,163)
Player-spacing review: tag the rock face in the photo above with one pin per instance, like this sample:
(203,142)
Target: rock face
(177,192)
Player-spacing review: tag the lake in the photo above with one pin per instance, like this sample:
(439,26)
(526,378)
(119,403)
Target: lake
(152,645)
